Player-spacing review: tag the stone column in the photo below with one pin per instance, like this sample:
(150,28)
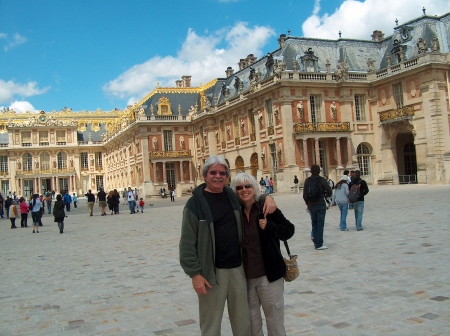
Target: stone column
(349,153)
(181,172)
(154,171)
(305,152)
(190,172)
(316,149)
(288,134)
(338,153)
(36,191)
(164,172)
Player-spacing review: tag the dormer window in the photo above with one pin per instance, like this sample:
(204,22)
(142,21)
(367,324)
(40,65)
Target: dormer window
(309,61)
(164,106)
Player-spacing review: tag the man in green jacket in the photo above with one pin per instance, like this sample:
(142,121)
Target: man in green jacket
(211,250)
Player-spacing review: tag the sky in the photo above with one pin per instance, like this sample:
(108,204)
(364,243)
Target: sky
(106,54)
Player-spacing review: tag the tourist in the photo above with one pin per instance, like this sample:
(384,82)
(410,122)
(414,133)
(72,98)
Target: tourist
(58,213)
(340,198)
(24,208)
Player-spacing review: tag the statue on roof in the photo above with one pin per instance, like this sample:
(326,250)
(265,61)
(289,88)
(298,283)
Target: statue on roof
(341,72)
(269,61)
(435,45)
(371,66)
(422,46)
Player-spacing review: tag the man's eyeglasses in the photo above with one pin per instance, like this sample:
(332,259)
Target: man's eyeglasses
(246,186)
(221,173)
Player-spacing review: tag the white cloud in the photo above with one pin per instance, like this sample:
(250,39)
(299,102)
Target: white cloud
(358,19)
(16,40)
(22,106)
(202,57)
(3,35)
(9,90)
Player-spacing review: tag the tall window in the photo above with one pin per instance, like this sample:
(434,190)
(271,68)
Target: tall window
(315,103)
(43,138)
(5,187)
(45,161)
(60,137)
(4,164)
(322,157)
(360,111)
(26,138)
(363,154)
(62,160)
(99,159)
(168,143)
(398,95)
(84,161)
(170,174)
(27,162)
(99,181)
(269,112)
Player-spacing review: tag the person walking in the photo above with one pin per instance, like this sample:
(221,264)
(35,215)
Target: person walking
(296,185)
(314,196)
(90,202)
(116,198)
(340,198)
(141,204)
(262,185)
(210,250)
(101,199)
(13,214)
(24,208)
(358,206)
(267,182)
(67,200)
(36,212)
(124,196)
(263,263)
(172,195)
(271,185)
(7,205)
(110,202)
(58,213)
(48,201)
(131,201)
(75,200)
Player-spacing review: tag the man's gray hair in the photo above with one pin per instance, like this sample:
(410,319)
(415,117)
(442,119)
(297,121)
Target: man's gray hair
(245,178)
(213,160)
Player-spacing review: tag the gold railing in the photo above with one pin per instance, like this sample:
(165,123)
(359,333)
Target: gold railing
(321,127)
(46,171)
(170,154)
(405,112)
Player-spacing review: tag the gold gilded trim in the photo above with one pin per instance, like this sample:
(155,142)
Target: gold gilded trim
(321,127)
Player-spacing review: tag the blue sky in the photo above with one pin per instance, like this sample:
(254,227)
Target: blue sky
(90,54)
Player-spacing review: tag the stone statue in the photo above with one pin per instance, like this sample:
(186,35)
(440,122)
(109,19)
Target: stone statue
(260,117)
(333,110)
(300,110)
(275,111)
(152,109)
(243,126)
(19,165)
(341,72)
(371,66)
(280,153)
(422,46)
(155,143)
(435,45)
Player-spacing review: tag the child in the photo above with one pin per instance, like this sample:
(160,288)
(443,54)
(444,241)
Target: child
(13,214)
(141,204)
(75,200)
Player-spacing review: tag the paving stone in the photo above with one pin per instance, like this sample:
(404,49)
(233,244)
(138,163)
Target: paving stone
(120,275)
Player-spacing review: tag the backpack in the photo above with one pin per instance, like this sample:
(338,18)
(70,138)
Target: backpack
(354,192)
(313,191)
(262,182)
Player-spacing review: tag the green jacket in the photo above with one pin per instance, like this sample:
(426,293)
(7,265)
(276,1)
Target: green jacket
(197,243)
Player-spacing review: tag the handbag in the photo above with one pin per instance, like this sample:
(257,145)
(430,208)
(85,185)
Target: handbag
(292,271)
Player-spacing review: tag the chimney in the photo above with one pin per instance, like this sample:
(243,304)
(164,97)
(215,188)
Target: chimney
(281,40)
(179,83)
(251,59)
(229,72)
(186,81)
(242,63)
(377,35)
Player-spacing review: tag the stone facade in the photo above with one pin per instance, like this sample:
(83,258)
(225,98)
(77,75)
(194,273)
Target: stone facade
(380,106)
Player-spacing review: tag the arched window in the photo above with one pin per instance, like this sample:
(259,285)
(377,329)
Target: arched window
(363,154)
(62,160)
(27,162)
(239,164)
(45,161)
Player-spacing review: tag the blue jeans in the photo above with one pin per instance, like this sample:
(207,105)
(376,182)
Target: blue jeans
(317,213)
(49,208)
(359,210)
(131,206)
(344,211)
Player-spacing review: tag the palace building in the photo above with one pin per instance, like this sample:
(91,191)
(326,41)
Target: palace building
(379,105)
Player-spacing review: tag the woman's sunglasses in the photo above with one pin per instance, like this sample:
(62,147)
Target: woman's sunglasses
(246,186)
